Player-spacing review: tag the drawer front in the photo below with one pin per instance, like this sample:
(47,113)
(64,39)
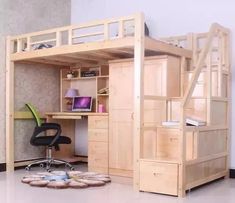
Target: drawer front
(98,122)
(98,154)
(159,177)
(98,135)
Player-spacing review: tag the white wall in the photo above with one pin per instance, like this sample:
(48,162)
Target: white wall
(165,18)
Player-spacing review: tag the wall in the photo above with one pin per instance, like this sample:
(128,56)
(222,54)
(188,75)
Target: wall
(43,82)
(17,17)
(165,18)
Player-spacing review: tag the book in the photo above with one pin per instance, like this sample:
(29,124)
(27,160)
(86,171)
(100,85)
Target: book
(195,122)
(170,123)
(104,90)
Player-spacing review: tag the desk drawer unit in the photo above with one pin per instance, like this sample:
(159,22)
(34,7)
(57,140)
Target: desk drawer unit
(98,144)
(98,135)
(98,155)
(98,122)
(158,177)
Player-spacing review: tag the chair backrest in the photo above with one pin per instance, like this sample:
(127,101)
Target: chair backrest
(35,113)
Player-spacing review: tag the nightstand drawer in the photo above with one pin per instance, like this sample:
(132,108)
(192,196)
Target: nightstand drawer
(158,177)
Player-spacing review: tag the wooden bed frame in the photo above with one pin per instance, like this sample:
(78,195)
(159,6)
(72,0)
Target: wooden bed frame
(204,91)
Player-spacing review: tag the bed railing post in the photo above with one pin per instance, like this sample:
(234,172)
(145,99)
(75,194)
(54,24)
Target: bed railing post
(106,31)
(28,44)
(209,88)
(19,45)
(58,38)
(120,29)
(9,107)
(138,94)
(70,35)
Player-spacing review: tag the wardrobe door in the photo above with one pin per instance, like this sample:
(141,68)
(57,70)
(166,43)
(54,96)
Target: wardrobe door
(120,119)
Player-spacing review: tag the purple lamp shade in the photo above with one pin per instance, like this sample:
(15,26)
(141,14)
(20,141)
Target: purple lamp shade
(71,93)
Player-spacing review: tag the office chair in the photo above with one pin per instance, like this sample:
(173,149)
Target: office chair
(55,140)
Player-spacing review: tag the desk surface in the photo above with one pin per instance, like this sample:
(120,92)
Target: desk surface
(75,114)
(72,115)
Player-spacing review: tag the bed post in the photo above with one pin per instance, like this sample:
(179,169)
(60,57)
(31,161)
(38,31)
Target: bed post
(138,93)
(9,108)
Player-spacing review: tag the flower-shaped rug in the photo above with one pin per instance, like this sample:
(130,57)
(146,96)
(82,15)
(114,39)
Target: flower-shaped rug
(70,179)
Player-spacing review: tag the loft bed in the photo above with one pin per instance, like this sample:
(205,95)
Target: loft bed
(204,82)
(88,44)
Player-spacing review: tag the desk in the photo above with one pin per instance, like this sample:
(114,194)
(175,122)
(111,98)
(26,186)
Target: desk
(97,137)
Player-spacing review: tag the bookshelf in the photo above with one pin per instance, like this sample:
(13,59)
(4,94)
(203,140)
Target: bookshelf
(91,84)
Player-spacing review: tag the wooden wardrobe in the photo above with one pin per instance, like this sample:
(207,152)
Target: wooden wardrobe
(158,71)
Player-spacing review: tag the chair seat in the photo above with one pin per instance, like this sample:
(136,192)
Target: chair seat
(46,140)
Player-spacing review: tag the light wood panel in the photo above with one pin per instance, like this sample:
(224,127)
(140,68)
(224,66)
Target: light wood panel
(159,177)
(216,139)
(98,144)
(204,170)
(120,119)
(157,71)
(9,108)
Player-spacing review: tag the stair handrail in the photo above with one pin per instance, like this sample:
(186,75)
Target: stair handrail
(189,91)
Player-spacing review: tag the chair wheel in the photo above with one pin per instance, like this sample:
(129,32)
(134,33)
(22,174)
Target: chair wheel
(49,170)
(72,168)
(41,165)
(27,168)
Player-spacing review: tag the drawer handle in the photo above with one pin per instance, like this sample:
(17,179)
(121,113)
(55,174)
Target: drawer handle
(132,116)
(156,174)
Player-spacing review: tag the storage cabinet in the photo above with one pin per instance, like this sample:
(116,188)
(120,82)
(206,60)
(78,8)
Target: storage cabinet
(160,144)
(162,76)
(121,119)
(161,73)
(98,144)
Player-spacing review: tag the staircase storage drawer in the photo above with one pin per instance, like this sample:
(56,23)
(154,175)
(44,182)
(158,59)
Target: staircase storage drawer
(158,177)
(95,122)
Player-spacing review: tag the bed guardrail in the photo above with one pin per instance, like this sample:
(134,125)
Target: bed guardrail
(75,34)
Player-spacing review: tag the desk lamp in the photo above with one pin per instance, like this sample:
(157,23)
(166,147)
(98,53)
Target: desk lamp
(70,94)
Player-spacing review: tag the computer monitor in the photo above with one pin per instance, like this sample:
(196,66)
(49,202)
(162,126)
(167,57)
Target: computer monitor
(82,103)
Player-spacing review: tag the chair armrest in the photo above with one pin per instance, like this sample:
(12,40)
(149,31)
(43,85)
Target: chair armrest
(53,126)
(48,126)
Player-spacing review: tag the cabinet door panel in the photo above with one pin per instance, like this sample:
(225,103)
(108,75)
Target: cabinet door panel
(121,145)
(155,78)
(120,119)
(121,87)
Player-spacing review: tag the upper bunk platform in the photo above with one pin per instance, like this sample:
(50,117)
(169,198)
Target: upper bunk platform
(89,43)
